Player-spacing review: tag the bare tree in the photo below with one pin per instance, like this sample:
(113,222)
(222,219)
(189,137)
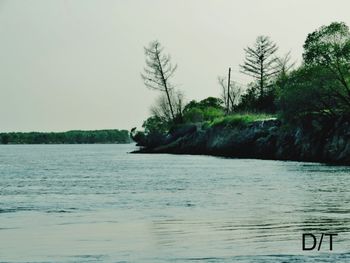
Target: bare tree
(179,101)
(232,97)
(161,108)
(285,64)
(158,72)
(260,62)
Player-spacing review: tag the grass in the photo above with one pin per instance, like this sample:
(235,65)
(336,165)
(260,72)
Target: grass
(239,119)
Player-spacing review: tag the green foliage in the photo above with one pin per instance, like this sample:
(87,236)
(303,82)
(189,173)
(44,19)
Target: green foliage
(155,125)
(211,102)
(319,88)
(70,137)
(239,119)
(253,102)
(308,91)
(199,115)
(328,46)
(155,130)
(205,110)
(206,103)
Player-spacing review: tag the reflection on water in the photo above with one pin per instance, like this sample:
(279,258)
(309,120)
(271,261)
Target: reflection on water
(95,203)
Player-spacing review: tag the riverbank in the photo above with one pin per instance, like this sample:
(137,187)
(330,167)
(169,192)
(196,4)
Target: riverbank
(325,141)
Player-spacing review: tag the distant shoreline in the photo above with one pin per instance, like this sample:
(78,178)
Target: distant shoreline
(101,143)
(109,136)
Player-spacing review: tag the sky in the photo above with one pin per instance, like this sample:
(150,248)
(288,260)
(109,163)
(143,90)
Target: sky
(76,64)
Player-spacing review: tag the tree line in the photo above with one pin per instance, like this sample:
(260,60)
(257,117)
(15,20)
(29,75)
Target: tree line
(69,137)
(318,88)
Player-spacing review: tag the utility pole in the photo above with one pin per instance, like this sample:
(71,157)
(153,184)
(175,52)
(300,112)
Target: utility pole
(228,90)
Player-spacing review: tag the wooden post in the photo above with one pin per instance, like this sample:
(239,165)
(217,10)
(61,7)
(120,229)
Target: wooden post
(228,90)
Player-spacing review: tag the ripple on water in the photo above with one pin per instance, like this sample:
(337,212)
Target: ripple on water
(81,203)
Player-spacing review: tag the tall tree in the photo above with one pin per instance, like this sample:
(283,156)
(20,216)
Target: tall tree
(329,47)
(158,72)
(260,62)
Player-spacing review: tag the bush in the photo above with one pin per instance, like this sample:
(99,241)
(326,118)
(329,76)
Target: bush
(251,101)
(199,115)
(205,110)
(310,92)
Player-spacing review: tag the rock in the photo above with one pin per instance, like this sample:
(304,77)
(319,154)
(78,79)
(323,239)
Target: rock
(269,139)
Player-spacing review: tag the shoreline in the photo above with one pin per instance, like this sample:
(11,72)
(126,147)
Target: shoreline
(319,142)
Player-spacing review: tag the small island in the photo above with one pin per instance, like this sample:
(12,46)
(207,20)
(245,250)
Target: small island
(287,112)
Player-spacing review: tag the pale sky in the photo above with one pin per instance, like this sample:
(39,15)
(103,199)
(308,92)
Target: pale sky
(68,64)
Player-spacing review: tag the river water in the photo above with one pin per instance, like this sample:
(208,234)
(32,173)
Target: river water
(97,203)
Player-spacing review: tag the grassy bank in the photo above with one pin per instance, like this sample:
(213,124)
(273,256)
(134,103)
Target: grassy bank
(236,119)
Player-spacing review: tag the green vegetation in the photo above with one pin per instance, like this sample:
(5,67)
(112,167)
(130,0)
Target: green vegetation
(69,137)
(320,88)
(208,109)
(317,90)
(240,119)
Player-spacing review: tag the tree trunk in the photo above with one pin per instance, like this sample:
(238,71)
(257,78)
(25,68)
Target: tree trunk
(228,90)
(261,79)
(165,85)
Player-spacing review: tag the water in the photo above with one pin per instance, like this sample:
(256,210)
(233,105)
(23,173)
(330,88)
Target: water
(96,203)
